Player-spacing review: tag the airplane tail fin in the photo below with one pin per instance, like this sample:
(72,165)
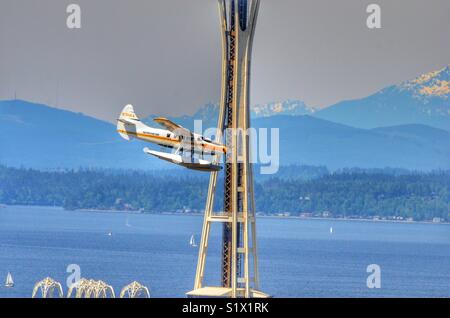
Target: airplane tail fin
(128,114)
(127,122)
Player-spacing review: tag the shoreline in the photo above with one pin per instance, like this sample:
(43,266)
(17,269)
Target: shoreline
(2,206)
(316,218)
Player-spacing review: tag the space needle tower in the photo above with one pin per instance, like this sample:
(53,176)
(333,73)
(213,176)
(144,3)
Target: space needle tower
(239,261)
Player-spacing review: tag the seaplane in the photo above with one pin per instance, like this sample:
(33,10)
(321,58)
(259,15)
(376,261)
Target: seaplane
(189,149)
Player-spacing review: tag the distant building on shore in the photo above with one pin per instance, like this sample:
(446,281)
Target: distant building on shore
(437,220)
(327,214)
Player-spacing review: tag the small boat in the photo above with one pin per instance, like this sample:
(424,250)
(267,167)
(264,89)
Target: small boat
(331,230)
(9,281)
(110,233)
(192,241)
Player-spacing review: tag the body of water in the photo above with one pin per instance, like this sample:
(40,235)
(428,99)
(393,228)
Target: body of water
(298,258)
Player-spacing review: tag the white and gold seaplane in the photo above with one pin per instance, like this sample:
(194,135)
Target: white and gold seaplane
(175,137)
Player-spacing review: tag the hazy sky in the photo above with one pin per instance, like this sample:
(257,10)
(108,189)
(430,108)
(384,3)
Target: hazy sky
(164,55)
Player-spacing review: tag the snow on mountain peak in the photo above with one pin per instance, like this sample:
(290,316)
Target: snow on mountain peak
(282,108)
(432,84)
(289,107)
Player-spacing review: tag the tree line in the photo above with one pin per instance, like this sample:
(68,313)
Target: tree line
(348,193)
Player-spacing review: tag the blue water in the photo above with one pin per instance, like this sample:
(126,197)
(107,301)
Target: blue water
(298,258)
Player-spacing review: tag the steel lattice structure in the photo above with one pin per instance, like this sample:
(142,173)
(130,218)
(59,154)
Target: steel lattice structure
(88,288)
(238,22)
(47,288)
(135,290)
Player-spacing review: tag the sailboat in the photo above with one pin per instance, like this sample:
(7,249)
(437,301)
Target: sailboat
(331,230)
(9,281)
(192,241)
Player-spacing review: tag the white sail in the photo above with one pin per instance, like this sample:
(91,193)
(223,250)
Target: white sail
(192,241)
(331,230)
(9,281)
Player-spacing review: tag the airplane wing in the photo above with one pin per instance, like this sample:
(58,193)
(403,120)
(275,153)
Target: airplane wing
(170,125)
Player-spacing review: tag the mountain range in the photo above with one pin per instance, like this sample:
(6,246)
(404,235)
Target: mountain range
(402,126)
(423,100)
(38,136)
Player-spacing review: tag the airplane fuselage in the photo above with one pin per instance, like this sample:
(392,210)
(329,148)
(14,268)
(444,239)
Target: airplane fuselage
(166,138)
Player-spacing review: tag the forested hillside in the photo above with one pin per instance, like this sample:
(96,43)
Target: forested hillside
(344,194)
